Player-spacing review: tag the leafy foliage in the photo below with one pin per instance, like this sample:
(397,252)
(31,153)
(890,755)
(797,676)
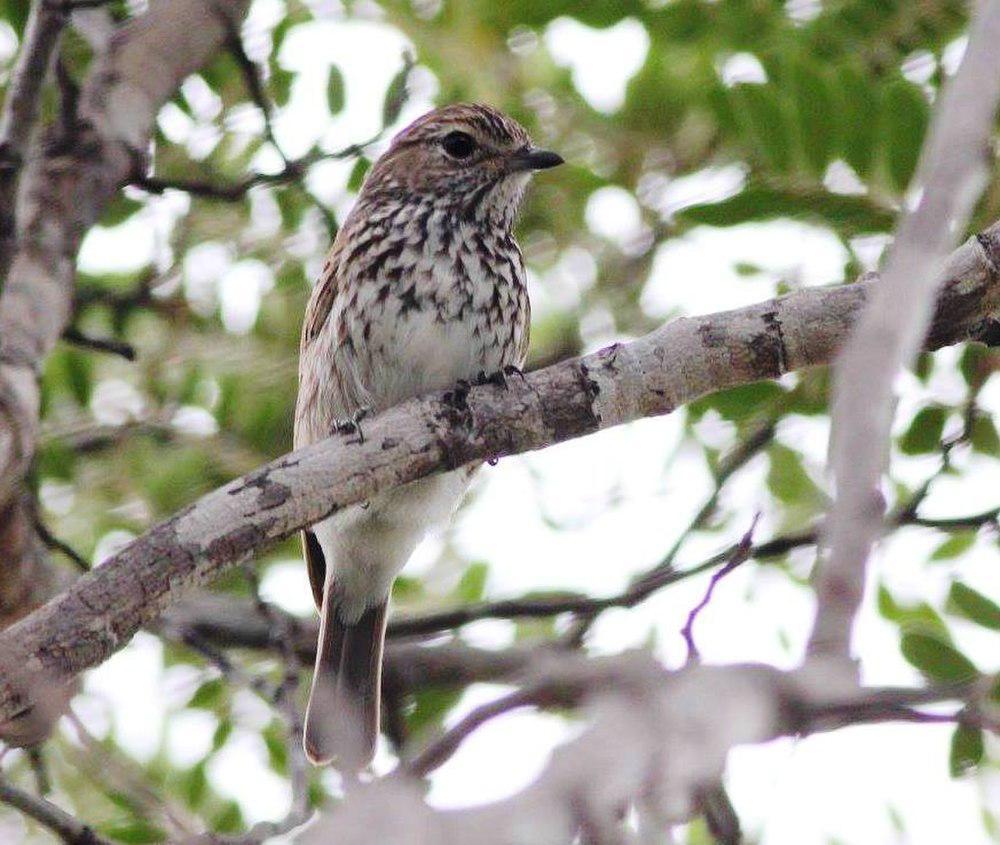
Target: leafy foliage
(820,117)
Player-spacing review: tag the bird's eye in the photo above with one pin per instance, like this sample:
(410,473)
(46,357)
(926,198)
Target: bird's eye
(458,144)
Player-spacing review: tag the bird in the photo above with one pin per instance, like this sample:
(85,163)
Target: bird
(423,288)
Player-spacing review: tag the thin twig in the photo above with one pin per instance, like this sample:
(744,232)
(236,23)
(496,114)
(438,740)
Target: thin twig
(100,344)
(68,6)
(439,752)
(641,588)
(740,554)
(52,542)
(43,783)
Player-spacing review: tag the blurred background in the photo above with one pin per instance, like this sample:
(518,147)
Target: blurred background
(719,153)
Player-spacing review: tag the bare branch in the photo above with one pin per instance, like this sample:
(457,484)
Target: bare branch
(100,344)
(442,431)
(67,828)
(663,574)
(20,113)
(741,553)
(659,739)
(953,170)
(54,543)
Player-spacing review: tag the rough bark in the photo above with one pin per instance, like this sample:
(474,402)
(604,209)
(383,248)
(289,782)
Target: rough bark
(679,362)
(20,113)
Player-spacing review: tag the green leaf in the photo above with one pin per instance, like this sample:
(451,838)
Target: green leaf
(974,606)
(535,630)
(209,695)
(760,112)
(119,210)
(852,213)
(406,588)
(818,115)
(916,617)
(984,437)
(229,819)
(936,659)
(860,100)
(472,585)
(966,750)
(395,96)
(956,545)
(431,706)
(787,478)
(361,167)
(292,204)
(975,363)
(745,268)
(924,366)
(335,90)
(739,403)
(56,459)
(134,832)
(906,114)
(194,785)
(78,369)
(924,433)
(698,833)
(277,746)
(281,85)
(222,733)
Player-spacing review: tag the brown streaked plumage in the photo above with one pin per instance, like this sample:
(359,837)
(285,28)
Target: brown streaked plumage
(423,287)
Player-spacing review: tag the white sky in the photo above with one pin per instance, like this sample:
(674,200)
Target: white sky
(589,514)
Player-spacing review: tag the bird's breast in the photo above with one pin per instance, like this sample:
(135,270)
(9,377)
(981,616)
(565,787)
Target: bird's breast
(447,304)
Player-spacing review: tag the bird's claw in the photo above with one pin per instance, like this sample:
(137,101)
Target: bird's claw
(500,378)
(353,424)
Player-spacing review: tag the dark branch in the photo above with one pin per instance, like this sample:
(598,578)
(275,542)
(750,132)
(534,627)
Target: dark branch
(20,113)
(642,587)
(99,344)
(52,542)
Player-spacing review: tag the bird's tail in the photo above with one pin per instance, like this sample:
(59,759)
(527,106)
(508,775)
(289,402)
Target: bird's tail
(342,719)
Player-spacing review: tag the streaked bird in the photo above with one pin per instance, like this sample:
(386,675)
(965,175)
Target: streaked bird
(423,288)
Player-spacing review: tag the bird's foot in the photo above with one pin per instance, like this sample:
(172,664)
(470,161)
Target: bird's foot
(500,378)
(353,424)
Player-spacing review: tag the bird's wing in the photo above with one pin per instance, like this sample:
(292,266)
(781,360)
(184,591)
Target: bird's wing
(316,405)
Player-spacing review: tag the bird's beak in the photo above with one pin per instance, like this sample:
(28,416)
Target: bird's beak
(531,158)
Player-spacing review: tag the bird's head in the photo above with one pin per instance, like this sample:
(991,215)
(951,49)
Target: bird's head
(467,158)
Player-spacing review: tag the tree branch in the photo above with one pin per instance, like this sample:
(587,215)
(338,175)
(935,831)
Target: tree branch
(227,621)
(67,828)
(953,170)
(653,375)
(20,113)
(660,738)
(99,344)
